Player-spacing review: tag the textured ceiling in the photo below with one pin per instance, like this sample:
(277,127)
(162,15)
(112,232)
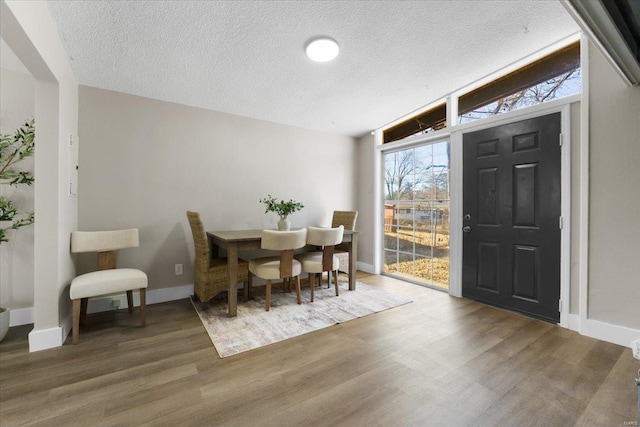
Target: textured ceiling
(247,57)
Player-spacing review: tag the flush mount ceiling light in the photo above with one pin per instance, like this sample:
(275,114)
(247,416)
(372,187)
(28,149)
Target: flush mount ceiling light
(322,49)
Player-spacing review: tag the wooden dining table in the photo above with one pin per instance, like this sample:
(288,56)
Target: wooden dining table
(236,241)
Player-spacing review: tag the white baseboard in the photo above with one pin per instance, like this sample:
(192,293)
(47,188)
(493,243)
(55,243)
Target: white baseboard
(367,268)
(616,334)
(55,337)
(66,325)
(154,296)
(572,322)
(45,339)
(20,316)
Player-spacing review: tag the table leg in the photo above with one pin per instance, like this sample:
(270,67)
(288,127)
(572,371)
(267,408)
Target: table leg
(232,263)
(353,260)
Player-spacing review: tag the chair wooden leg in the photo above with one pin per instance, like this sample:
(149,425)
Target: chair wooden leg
(335,279)
(312,284)
(267,299)
(298,289)
(250,284)
(130,301)
(83,310)
(328,279)
(76,320)
(143,307)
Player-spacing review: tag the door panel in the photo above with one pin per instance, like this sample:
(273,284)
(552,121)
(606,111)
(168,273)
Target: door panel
(488,255)
(525,195)
(525,272)
(511,203)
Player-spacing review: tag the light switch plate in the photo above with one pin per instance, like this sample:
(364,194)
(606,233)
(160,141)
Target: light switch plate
(635,346)
(178,269)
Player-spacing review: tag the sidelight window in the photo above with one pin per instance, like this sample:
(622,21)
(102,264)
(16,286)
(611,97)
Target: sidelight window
(416,226)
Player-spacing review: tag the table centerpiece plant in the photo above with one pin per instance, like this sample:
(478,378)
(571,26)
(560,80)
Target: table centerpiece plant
(14,148)
(282,208)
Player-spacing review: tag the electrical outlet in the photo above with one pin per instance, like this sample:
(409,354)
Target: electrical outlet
(178,269)
(635,347)
(115,303)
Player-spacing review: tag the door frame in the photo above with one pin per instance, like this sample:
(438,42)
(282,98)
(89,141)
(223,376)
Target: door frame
(564,108)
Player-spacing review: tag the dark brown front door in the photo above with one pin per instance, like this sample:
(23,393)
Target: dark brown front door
(511,204)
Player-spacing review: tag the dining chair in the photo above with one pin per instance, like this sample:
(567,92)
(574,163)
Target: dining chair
(108,279)
(284,266)
(348,220)
(211,275)
(315,263)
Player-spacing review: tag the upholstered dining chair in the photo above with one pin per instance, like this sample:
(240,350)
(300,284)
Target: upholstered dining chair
(283,266)
(108,279)
(348,220)
(315,263)
(211,275)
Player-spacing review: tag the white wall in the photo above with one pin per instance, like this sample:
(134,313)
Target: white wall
(16,256)
(366,201)
(574,304)
(614,197)
(27,27)
(143,163)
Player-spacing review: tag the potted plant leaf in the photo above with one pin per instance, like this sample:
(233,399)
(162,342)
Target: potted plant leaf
(282,208)
(13,149)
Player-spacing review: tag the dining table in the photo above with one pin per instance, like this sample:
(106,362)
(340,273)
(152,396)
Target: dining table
(236,241)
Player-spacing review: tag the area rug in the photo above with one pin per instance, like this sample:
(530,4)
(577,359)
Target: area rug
(254,327)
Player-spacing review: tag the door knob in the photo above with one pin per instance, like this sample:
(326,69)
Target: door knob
(466,229)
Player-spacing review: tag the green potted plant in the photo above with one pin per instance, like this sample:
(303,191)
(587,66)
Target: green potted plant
(282,208)
(13,149)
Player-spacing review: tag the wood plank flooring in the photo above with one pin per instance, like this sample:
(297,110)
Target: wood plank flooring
(439,361)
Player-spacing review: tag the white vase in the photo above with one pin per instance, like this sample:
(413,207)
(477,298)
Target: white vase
(4,322)
(284,224)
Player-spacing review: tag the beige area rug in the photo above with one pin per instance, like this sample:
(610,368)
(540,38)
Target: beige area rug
(254,327)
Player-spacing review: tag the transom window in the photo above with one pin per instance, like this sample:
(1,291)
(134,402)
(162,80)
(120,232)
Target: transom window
(555,76)
(551,77)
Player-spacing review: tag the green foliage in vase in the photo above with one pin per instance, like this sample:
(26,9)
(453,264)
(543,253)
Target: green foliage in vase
(281,207)
(14,148)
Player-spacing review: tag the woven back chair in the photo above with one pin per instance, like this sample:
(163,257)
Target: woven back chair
(348,220)
(210,275)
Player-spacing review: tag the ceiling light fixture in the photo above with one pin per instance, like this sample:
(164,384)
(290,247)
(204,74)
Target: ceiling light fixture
(322,49)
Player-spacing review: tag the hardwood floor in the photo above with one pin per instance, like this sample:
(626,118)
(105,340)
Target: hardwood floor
(439,361)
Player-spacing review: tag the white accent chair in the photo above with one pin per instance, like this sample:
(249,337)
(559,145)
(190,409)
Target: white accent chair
(108,279)
(283,266)
(315,263)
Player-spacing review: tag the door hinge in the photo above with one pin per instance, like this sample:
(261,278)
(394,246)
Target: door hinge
(560,139)
(560,305)
(560,223)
